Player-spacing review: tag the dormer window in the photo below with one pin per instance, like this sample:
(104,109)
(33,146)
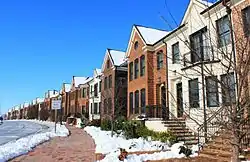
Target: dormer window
(136,45)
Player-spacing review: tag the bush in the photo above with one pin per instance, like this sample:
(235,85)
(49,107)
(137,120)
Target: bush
(106,125)
(96,123)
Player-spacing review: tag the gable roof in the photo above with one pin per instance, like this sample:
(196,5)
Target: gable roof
(202,3)
(151,35)
(98,71)
(39,100)
(67,87)
(86,80)
(116,57)
(78,80)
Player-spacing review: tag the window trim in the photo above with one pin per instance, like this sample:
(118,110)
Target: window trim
(131,71)
(136,69)
(219,44)
(189,90)
(137,101)
(174,54)
(214,78)
(142,68)
(245,25)
(160,63)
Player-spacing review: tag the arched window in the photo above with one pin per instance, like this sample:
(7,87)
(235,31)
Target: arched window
(142,65)
(136,102)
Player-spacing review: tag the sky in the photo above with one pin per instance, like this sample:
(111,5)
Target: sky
(43,43)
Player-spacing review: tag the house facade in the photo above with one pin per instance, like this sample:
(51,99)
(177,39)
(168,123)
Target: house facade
(199,57)
(146,73)
(241,27)
(64,93)
(77,101)
(95,95)
(83,97)
(114,85)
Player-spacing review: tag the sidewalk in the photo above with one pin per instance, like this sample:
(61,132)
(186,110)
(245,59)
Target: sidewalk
(78,147)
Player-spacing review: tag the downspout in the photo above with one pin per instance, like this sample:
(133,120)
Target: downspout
(166,117)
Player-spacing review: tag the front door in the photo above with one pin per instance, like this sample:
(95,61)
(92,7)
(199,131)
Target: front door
(165,113)
(179,100)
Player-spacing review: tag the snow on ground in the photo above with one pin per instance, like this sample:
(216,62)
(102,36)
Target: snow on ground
(110,146)
(26,144)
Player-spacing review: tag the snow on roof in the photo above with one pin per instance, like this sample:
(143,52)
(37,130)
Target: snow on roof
(118,57)
(87,80)
(9,111)
(79,80)
(206,2)
(151,35)
(17,107)
(39,100)
(34,101)
(26,104)
(67,87)
(98,71)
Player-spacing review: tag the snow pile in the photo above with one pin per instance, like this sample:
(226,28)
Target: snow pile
(110,146)
(26,144)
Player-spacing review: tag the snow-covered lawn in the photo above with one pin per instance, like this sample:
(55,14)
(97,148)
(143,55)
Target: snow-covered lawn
(26,144)
(110,146)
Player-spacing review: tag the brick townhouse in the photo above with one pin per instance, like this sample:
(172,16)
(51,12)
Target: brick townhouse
(114,84)
(83,98)
(65,91)
(241,26)
(146,72)
(75,95)
(49,96)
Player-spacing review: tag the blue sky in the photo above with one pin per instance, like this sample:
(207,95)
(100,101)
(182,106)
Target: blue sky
(43,43)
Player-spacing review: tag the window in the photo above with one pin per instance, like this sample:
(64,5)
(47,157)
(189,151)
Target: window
(212,91)
(96,89)
(105,106)
(95,108)
(228,89)
(108,64)
(83,109)
(143,101)
(159,60)
(110,81)
(194,93)
(246,20)
(100,86)
(175,53)
(105,83)
(131,103)
(136,45)
(200,49)
(91,108)
(136,102)
(109,106)
(142,65)
(99,107)
(136,69)
(223,31)
(131,71)
(84,93)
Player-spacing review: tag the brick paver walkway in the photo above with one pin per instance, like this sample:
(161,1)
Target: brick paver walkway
(78,147)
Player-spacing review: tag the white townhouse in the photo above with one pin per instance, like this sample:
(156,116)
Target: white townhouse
(198,56)
(95,95)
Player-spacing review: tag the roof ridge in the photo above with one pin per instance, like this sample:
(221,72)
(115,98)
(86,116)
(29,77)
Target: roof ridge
(150,27)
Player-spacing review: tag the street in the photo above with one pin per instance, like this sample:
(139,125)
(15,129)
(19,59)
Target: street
(12,130)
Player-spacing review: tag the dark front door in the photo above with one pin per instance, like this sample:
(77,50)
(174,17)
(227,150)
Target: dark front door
(179,100)
(165,113)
